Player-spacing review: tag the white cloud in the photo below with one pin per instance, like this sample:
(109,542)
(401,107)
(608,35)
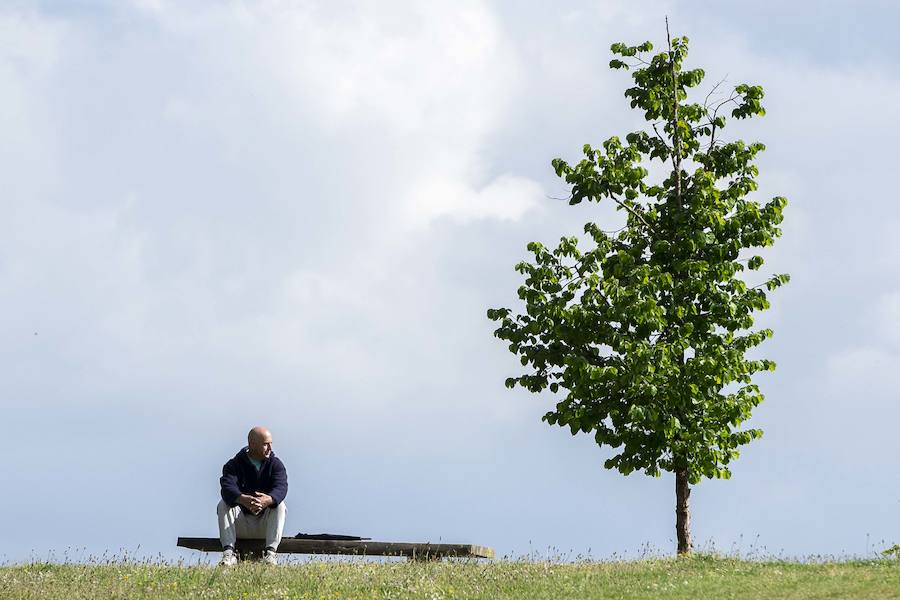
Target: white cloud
(506,197)
(30,43)
(29,50)
(887,317)
(885,243)
(221,136)
(865,370)
(406,99)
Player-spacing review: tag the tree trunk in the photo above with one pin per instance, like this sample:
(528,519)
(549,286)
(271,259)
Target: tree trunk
(683,512)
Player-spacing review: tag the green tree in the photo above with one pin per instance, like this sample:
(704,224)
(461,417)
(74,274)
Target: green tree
(643,337)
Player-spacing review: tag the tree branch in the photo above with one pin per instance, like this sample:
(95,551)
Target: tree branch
(712,138)
(661,138)
(711,92)
(676,154)
(635,214)
(625,206)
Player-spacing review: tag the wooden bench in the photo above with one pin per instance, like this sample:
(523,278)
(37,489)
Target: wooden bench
(414,551)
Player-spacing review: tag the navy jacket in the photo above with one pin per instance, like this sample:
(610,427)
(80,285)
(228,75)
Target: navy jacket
(239,476)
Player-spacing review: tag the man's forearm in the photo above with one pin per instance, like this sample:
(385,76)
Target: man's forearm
(229,486)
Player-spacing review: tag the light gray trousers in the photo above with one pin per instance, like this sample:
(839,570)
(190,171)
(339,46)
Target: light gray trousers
(234,524)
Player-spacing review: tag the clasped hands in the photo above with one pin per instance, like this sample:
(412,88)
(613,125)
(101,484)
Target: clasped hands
(255,502)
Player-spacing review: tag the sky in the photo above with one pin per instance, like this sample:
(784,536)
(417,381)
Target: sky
(296,214)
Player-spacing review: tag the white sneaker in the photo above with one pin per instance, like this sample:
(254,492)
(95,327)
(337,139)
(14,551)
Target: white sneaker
(270,557)
(229,558)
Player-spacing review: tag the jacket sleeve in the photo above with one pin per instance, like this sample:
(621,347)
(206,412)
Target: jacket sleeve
(279,482)
(229,483)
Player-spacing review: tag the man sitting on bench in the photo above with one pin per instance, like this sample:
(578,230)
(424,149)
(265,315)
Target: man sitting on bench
(254,484)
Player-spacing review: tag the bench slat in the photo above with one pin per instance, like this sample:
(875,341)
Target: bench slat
(362,548)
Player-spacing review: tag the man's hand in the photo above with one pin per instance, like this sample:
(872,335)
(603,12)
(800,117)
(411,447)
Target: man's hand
(264,501)
(255,503)
(248,502)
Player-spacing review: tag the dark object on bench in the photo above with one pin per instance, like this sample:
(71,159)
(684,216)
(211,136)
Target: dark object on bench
(329,536)
(415,551)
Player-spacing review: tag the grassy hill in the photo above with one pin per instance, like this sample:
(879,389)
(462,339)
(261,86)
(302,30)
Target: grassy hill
(698,577)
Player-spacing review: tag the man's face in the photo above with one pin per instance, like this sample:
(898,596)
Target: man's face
(260,445)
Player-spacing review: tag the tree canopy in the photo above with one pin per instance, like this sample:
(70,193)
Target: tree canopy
(643,336)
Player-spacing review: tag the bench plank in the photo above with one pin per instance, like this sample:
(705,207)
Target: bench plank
(360,548)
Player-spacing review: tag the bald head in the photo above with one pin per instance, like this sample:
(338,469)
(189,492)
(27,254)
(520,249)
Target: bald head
(259,443)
